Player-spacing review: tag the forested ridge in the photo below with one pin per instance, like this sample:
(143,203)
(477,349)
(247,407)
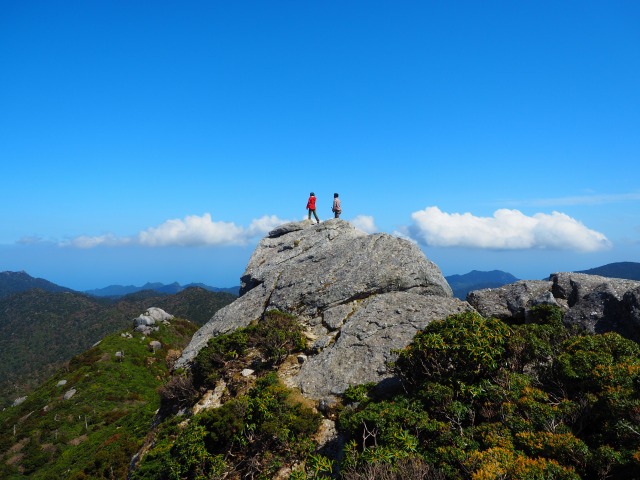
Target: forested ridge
(39,330)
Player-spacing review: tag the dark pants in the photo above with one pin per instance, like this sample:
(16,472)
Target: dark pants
(314,214)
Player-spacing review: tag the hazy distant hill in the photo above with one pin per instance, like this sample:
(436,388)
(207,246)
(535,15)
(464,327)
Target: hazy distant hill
(40,330)
(15,282)
(476,280)
(122,290)
(628,270)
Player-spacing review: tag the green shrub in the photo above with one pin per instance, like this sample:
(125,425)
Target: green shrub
(485,400)
(274,413)
(216,354)
(223,424)
(261,431)
(190,457)
(462,348)
(277,335)
(597,362)
(358,393)
(546,315)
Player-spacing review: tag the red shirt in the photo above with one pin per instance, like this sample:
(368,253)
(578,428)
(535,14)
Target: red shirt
(311,203)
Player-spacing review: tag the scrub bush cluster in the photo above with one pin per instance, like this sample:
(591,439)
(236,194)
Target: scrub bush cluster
(486,400)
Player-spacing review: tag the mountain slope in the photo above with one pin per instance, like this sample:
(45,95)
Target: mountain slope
(15,282)
(477,280)
(40,330)
(94,432)
(627,270)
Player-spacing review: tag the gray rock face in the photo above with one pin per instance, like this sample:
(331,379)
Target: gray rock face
(596,304)
(380,324)
(510,301)
(358,295)
(600,304)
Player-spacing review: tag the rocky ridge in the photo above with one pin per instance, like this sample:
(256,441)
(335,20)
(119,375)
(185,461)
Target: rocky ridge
(591,302)
(359,296)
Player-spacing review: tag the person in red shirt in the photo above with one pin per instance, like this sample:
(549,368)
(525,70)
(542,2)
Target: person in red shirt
(311,206)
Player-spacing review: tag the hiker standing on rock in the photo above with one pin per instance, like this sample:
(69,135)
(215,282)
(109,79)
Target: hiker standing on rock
(337,209)
(311,206)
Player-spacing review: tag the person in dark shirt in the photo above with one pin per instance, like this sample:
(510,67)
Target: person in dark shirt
(337,209)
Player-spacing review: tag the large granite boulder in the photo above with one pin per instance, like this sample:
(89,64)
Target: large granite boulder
(510,301)
(359,351)
(596,304)
(358,295)
(600,304)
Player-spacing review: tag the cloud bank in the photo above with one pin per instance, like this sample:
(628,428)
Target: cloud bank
(191,231)
(507,230)
(364,223)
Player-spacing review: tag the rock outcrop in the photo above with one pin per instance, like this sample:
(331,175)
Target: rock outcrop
(511,301)
(146,323)
(358,295)
(596,304)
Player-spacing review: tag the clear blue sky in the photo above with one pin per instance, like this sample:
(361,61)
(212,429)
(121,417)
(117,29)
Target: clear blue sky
(160,141)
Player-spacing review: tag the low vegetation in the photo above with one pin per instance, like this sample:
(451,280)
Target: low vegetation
(39,330)
(94,432)
(480,399)
(261,427)
(487,400)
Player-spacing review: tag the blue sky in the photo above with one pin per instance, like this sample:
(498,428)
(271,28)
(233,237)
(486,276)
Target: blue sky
(159,142)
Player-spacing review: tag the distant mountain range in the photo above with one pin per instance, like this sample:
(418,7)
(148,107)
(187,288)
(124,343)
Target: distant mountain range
(476,280)
(172,288)
(16,282)
(628,270)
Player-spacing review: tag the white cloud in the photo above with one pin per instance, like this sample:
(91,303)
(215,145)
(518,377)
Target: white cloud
(263,225)
(402,233)
(507,229)
(364,223)
(85,241)
(31,240)
(193,230)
